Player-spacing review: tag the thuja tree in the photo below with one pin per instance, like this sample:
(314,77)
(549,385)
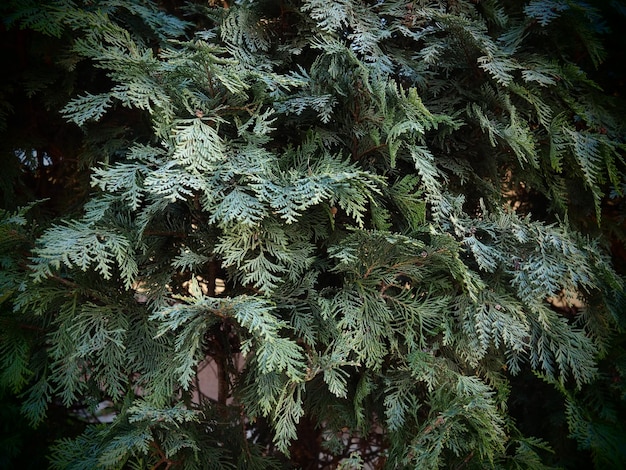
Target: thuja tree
(406,202)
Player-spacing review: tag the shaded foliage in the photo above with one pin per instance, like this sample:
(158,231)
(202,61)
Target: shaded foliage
(414,209)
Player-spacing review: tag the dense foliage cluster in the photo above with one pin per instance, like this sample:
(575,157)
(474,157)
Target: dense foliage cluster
(387,224)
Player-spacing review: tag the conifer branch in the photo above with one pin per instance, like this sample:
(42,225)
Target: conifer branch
(347,169)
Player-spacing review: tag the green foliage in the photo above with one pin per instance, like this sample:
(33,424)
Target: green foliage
(354,173)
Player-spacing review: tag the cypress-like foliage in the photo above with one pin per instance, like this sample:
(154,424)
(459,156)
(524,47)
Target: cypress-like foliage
(396,195)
